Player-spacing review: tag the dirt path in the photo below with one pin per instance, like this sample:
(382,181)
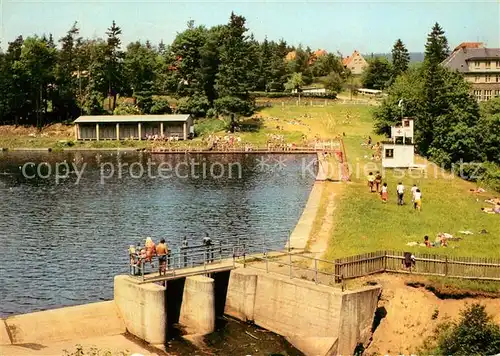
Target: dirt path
(319,243)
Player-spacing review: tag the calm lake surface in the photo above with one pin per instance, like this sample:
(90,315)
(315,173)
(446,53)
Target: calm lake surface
(63,238)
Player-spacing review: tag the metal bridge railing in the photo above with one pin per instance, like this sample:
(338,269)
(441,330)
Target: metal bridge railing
(222,254)
(210,257)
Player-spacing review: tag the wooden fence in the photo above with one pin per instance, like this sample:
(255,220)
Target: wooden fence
(425,264)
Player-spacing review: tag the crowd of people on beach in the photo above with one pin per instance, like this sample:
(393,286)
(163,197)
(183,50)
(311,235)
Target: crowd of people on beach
(375,185)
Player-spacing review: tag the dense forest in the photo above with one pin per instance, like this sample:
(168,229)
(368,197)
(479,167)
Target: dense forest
(207,71)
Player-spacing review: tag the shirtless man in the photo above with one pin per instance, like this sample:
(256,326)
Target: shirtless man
(162,251)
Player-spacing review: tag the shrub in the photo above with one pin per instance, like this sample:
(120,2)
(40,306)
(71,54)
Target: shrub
(232,104)
(127,109)
(160,107)
(211,113)
(473,334)
(196,105)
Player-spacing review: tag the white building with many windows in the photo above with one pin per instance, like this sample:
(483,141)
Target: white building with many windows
(399,152)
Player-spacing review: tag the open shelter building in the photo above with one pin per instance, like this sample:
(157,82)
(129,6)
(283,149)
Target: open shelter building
(134,127)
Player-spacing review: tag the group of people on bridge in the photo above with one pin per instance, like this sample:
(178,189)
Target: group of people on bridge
(140,255)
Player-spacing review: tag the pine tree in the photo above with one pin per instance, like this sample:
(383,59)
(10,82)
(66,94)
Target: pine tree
(400,59)
(234,76)
(113,62)
(436,50)
(68,84)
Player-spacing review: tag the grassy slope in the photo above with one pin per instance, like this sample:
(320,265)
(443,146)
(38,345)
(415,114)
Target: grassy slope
(362,223)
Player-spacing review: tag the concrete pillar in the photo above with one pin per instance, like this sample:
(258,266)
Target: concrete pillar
(198,305)
(241,290)
(161,128)
(184,130)
(97,132)
(139,126)
(142,307)
(117,131)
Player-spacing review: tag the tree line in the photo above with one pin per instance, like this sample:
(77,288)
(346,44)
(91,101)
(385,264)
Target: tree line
(208,71)
(450,126)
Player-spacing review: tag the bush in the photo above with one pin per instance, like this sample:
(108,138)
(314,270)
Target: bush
(211,113)
(491,175)
(160,107)
(127,109)
(196,105)
(233,105)
(474,334)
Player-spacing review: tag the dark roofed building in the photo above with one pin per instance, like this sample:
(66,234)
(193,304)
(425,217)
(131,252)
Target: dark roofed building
(480,66)
(135,127)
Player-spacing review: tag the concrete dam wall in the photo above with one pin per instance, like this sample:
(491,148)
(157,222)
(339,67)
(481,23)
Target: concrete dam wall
(318,320)
(70,323)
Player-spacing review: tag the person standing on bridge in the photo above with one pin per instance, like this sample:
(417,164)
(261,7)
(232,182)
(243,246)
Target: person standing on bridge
(207,241)
(184,247)
(162,251)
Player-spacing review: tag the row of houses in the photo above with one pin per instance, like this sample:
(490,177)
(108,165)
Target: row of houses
(479,64)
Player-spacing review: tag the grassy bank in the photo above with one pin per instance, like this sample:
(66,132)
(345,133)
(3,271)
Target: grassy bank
(362,223)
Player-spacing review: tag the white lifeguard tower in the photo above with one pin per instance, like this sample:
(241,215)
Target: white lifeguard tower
(399,152)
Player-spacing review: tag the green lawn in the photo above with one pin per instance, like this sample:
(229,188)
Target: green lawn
(362,223)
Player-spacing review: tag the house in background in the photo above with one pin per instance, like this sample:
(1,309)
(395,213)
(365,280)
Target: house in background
(400,151)
(355,63)
(479,65)
(134,127)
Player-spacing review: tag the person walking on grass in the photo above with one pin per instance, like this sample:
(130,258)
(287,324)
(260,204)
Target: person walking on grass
(400,190)
(371,181)
(383,193)
(378,181)
(413,191)
(417,204)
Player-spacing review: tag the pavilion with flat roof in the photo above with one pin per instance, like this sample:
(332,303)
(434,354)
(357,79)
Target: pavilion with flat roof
(134,127)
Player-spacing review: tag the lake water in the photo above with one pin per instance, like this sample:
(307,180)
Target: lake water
(64,236)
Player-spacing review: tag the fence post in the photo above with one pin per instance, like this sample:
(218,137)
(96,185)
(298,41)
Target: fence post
(290,263)
(142,269)
(267,263)
(445,265)
(316,270)
(244,256)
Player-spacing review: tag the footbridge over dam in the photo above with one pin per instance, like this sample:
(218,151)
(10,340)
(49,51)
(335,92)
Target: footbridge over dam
(263,287)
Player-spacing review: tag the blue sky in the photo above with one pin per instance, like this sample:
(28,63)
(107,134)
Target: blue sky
(369,26)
